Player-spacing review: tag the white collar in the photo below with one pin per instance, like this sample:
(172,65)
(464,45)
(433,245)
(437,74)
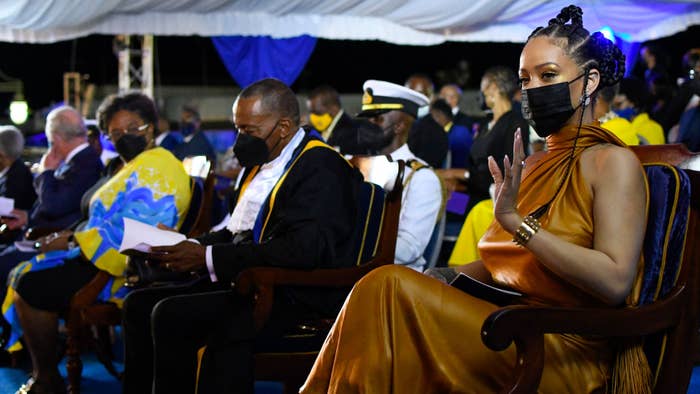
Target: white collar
(455,111)
(75,151)
(287,151)
(403,153)
(335,119)
(161,137)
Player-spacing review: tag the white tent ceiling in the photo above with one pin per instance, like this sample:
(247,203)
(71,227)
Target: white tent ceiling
(412,22)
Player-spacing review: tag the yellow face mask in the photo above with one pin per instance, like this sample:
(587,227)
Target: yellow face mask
(320,122)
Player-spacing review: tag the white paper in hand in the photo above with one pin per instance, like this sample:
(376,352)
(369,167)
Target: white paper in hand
(140,237)
(6,206)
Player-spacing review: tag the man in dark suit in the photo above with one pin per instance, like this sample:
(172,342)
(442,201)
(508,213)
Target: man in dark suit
(328,117)
(194,142)
(452,94)
(297,208)
(67,170)
(15,177)
(164,137)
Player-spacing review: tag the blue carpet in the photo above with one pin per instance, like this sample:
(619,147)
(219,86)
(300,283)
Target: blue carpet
(97,380)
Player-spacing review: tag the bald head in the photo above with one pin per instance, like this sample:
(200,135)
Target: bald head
(275,98)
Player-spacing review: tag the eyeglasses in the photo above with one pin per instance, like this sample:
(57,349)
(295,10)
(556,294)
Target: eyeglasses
(117,133)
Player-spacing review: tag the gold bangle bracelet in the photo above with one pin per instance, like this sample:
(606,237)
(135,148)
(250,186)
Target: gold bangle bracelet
(526,230)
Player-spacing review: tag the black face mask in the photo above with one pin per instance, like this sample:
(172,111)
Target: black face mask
(371,139)
(130,145)
(251,151)
(547,108)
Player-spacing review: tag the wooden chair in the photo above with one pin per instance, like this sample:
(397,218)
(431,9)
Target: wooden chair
(290,359)
(667,319)
(85,312)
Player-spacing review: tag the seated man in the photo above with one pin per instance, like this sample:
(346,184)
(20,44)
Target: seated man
(328,118)
(194,143)
(165,138)
(15,177)
(452,94)
(68,169)
(296,208)
(422,194)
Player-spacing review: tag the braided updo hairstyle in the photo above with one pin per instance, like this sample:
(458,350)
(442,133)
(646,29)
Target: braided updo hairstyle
(587,50)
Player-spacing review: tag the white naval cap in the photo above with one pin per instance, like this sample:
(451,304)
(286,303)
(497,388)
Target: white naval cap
(381,96)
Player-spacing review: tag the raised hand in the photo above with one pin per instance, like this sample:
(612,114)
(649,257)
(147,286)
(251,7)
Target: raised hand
(508,185)
(50,160)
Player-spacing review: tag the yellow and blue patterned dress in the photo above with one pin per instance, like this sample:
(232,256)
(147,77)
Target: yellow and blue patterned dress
(152,188)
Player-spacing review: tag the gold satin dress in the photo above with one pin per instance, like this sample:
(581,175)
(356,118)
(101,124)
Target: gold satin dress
(403,332)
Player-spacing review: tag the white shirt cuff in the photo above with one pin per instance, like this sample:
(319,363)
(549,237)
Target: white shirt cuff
(210,265)
(209,260)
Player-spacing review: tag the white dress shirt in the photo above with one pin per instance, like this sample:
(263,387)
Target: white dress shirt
(249,204)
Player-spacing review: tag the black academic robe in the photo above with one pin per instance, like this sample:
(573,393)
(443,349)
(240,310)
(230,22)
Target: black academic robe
(313,224)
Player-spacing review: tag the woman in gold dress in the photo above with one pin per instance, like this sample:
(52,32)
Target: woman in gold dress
(577,220)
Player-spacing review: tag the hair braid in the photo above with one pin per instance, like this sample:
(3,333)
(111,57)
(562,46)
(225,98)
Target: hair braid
(587,50)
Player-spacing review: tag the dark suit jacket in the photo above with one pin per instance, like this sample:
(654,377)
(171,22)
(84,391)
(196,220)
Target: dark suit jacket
(312,225)
(18,185)
(59,195)
(170,142)
(197,146)
(428,141)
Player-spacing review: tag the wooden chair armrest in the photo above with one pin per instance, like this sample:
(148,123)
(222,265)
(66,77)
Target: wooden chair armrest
(505,325)
(526,326)
(252,278)
(260,282)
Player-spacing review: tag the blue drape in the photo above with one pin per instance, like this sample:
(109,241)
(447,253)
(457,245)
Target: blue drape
(249,59)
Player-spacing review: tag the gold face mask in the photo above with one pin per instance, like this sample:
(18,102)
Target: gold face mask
(320,122)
